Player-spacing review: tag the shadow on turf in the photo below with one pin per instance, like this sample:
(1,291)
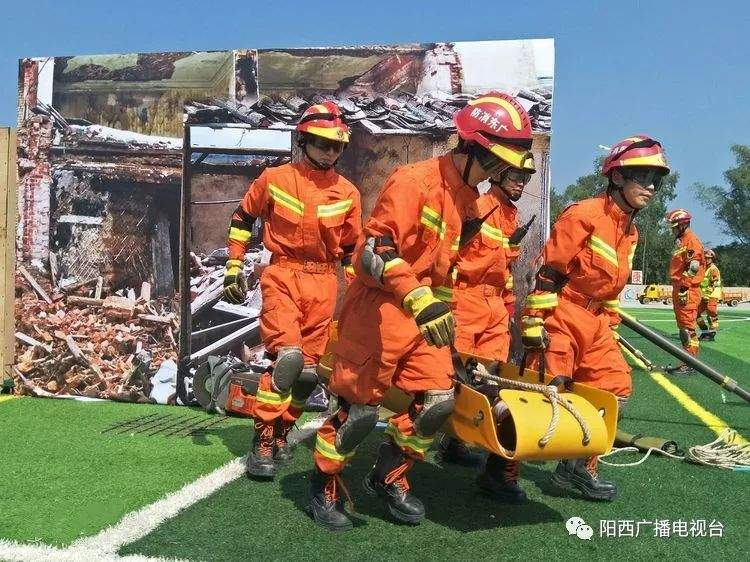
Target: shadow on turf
(236,438)
(449,493)
(681,422)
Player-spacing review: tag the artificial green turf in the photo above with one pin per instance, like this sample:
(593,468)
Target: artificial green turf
(250,520)
(63,479)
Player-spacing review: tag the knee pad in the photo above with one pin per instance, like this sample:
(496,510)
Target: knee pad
(305,383)
(360,421)
(684,336)
(621,403)
(288,367)
(437,406)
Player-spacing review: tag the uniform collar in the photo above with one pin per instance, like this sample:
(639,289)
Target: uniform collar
(612,208)
(311,172)
(501,197)
(685,234)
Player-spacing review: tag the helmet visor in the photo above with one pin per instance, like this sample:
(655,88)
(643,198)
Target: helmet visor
(644,176)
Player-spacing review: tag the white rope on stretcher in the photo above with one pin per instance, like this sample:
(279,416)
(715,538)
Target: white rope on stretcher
(650,450)
(550,392)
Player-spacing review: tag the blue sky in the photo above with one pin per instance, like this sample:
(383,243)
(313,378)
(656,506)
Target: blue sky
(679,71)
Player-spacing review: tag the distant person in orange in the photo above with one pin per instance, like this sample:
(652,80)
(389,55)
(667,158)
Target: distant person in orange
(396,327)
(686,271)
(710,297)
(585,264)
(482,308)
(312,220)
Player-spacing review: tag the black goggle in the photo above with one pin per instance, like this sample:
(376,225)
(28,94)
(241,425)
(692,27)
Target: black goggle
(517,176)
(645,176)
(325,144)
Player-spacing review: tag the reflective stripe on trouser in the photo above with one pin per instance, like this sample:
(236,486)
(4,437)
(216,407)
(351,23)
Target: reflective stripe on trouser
(582,346)
(327,459)
(686,316)
(400,429)
(481,323)
(297,309)
(270,405)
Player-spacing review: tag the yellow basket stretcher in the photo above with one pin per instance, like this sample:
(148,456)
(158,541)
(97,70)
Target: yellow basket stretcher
(527,419)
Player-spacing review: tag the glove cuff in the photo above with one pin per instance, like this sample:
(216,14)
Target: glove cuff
(417,299)
(531,321)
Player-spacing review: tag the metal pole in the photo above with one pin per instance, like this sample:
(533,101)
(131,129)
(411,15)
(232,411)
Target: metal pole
(727,382)
(185,317)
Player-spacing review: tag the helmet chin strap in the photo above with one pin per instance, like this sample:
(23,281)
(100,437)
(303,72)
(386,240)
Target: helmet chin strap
(633,210)
(315,163)
(467,167)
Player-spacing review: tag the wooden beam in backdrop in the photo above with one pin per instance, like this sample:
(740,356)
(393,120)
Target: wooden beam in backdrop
(7,249)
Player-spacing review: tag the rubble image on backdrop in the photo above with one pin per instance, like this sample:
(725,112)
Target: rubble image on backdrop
(100,220)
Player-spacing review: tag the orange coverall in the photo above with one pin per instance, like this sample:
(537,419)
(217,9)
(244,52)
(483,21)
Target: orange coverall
(482,275)
(590,247)
(312,219)
(687,248)
(421,208)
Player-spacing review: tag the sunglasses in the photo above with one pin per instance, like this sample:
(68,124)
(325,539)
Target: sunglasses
(645,176)
(325,144)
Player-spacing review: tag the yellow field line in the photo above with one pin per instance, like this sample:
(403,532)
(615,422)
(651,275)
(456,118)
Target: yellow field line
(714,423)
(5,397)
(638,363)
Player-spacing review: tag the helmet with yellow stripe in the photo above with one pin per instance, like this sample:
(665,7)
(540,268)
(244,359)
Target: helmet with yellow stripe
(677,217)
(324,120)
(498,123)
(638,150)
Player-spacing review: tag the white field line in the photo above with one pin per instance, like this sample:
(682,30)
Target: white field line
(137,524)
(21,552)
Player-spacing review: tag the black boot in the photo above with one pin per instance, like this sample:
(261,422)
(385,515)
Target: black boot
(259,463)
(710,336)
(681,369)
(500,478)
(582,475)
(388,480)
(283,452)
(326,506)
(452,450)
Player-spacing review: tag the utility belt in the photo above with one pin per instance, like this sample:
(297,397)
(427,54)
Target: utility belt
(486,290)
(592,305)
(308,266)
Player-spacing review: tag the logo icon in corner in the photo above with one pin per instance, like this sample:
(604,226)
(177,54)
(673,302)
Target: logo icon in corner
(577,526)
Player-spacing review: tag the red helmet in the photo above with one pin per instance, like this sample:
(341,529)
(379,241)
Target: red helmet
(638,150)
(500,124)
(324,120)
(677,217)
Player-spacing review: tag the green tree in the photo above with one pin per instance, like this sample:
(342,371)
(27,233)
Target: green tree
(655,242)
(734,263)
(731,204)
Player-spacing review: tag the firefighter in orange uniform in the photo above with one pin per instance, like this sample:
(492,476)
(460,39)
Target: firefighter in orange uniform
(686,271)
(394,327)
(710,296)
(312,220)
(482,293)
(586,262)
